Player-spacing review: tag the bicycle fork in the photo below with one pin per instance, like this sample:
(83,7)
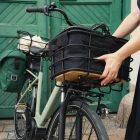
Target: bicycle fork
(62,113)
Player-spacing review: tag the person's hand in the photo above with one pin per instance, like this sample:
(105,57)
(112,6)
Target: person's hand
(113,63)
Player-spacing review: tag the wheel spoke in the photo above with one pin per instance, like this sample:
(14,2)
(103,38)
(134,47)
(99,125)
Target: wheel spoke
(90,134)
(71,132)
(84,131)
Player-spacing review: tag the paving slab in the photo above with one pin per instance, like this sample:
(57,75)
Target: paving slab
(8,128)
(3,135)
(1,128)
(11,136)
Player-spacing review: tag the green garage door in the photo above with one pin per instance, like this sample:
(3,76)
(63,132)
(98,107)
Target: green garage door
(12,18)
(86,12)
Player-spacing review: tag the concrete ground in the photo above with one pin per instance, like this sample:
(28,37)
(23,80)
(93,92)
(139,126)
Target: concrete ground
(114,132)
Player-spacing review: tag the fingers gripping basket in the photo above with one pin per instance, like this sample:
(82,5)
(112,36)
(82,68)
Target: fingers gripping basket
(74,51)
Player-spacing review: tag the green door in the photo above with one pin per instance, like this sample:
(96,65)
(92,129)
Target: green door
(88,13)
(13,17)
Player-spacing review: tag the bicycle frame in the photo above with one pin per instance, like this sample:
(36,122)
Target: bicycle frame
(41,118)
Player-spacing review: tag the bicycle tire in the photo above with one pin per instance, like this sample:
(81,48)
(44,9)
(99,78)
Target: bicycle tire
(22,118)
(93,118)
(18,134)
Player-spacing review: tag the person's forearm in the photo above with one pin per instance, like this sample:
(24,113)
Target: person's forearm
(129,48)
(128,25)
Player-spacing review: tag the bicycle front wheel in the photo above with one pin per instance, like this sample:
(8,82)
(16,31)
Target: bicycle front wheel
(81,123)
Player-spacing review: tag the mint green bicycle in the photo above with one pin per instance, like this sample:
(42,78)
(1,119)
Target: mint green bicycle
(72,119)
(78,121)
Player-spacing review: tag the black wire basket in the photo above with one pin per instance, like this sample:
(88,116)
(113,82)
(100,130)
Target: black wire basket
(74,52)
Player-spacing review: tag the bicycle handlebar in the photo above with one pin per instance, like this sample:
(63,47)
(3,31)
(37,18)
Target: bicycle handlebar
(47,9)
(30,10)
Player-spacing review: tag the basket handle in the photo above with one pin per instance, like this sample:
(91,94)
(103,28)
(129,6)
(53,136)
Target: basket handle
(103,27)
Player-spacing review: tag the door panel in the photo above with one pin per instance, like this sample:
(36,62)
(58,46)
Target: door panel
(13,17)
(86,12)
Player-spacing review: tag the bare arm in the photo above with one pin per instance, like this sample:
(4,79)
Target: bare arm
(129,24)
(132,46)
(114,60)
